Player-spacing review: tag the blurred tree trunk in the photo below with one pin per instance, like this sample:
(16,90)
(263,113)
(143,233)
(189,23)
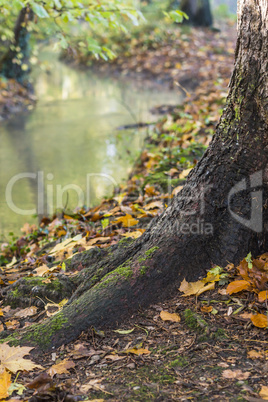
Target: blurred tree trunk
(15,63)
(198,11)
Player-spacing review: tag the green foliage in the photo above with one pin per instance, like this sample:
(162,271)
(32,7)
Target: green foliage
(63,20)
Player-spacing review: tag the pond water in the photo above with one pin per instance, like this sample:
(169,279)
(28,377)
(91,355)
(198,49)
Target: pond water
(67,151)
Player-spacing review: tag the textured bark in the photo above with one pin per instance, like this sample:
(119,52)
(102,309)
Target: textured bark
(8,67)
(225,190)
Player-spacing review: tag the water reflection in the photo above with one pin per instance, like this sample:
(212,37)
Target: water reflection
(71,139)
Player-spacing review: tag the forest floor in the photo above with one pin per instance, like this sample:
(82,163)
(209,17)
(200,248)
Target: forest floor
(209,342)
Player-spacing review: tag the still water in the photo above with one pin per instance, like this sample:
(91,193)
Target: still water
(67,151)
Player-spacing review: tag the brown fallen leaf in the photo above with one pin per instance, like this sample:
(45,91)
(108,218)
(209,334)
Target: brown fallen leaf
(166,316)
(236,374)
(26,312)
(5,382)
(254,354)
(114,358)
(11,358)
(259,320)
(237,286)
(61,368)
(43,382)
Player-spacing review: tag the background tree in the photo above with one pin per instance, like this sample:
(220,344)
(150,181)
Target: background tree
(198,11)
(218,217)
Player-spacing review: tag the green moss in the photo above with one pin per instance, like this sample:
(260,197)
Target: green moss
(123,271)
(195,322)
(41,334)
(181,361)
(16,293)
(162,181)
(150,252)
(143,270)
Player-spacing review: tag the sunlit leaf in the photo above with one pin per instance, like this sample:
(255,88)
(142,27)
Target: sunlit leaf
(5,382)
(11,358)
(264,392)
(61,368)
(259,320)
(166,316)
(136,351)
(238,286)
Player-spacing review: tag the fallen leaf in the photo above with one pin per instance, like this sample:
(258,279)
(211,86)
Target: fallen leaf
(254,354)
(135,234)
(26,312)
(259,320)
(262,296)
(40,271)
(136,351)
(236,374)
(41,383)
(264,392)
(114,358)
(166,316)
(124,331)
(61,368)
(206,309)
(127,221)
(195,288)
(5,382)
(237,286)
(11,358)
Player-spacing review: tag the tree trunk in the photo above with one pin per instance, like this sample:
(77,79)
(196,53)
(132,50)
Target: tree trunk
(218,217)
(198,11)
(14,63)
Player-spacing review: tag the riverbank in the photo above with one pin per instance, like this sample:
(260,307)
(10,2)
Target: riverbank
(14,99)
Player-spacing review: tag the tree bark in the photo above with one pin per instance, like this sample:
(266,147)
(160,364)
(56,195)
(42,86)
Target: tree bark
(11,64)
(218,217)
(198,11)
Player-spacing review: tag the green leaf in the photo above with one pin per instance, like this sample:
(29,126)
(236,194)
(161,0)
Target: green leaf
(124,331)
(39,10)
(249,260)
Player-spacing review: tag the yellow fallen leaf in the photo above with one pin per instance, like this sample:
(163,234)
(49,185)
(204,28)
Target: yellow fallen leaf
(126,221)
(5,382)
(262,296)
(11,358)
(166,316)
(195,288)
(184,173)
(259,320)
(237,286)
(61,368)
(264,392)
(136,351)
(135,234)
